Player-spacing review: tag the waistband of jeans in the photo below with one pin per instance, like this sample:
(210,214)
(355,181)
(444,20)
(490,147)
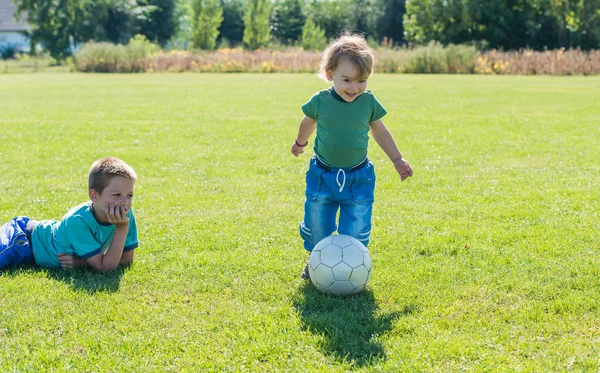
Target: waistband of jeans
(31,224)
(327,167)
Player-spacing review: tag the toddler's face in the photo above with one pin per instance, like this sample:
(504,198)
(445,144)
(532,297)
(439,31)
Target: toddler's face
(346,80)
(118,192)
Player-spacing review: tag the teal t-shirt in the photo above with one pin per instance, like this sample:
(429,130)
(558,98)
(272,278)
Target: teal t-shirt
(77,233)
(342,127)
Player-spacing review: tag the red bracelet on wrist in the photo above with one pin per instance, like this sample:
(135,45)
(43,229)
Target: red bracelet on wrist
(302,146)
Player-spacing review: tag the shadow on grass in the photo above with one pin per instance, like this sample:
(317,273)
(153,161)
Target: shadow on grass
(79,279)
(350,326)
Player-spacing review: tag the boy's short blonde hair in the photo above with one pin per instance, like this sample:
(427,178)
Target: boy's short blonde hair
(103,170)
(352,47)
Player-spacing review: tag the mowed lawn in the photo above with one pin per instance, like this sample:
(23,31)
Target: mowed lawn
(486,260)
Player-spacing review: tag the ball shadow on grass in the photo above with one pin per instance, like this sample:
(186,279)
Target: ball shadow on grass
(350,326)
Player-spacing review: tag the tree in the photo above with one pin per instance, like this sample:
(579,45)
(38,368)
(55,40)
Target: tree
(287,20)
(505,24)
(232,27)
(364,17)
(55,24)
(256,24)
(313,37)
(158,23)
(390,24)
(122,19)
(331,16)
(577,23)
(207,17)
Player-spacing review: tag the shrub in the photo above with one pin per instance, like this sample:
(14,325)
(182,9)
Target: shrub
(116,58)
(437,59)
(8,51)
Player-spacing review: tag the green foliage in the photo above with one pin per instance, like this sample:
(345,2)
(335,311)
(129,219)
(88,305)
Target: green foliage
(336,16)
(577,23)
(183,34)
(57,25)
(142,46)
(256,24)
(231,30)
(287,21)
(206,19)
(122,19)
(313,37)
(159,23)
(536,24)
(364,17)
(115,58)
(331,16)
(438,59)
(390,23)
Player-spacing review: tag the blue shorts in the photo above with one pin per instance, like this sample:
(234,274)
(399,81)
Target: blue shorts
(15,242)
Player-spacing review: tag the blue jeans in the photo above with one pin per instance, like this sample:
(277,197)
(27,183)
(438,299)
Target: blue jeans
(331,189)
(15,246)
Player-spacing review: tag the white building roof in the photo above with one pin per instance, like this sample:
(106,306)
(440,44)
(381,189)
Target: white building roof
(7,19)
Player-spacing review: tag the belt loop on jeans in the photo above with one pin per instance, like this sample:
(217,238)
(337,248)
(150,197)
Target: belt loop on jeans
(327,167)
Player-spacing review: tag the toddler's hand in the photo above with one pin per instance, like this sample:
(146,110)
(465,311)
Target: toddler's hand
(403,168)
(297,150)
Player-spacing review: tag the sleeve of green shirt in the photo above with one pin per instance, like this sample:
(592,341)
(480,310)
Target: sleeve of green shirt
(378,110)
(80,237)
(311,108)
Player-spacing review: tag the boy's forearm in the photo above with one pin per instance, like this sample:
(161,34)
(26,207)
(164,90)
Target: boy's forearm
(112,257)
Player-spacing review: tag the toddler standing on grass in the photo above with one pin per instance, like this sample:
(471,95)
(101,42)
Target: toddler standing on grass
(341,176)
(100,233)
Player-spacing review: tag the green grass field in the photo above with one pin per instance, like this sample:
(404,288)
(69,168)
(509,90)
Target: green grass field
(486,260)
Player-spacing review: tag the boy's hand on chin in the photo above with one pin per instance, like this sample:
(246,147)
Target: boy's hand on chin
(115,214)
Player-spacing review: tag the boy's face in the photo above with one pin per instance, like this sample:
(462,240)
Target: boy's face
(346,80)
(118,192)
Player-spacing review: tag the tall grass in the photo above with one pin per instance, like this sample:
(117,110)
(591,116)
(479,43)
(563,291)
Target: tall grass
(24,63)
(235,60)
(116,58)
(433,58)
(551,62)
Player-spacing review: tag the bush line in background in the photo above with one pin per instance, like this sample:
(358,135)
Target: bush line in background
(142,56)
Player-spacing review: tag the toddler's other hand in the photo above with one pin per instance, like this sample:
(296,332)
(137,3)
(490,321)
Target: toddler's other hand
(297,150)
(403,168)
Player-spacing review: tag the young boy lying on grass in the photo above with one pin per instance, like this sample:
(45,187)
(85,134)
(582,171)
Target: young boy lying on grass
(100,233)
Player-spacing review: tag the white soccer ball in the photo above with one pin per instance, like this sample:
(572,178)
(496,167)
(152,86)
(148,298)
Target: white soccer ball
(340,265)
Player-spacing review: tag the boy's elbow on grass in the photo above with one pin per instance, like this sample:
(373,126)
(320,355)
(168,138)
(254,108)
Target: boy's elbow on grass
(99,263)
(127,257)
(105,267)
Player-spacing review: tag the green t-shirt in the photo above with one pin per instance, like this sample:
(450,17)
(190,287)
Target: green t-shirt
(342,127)
(79,234)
